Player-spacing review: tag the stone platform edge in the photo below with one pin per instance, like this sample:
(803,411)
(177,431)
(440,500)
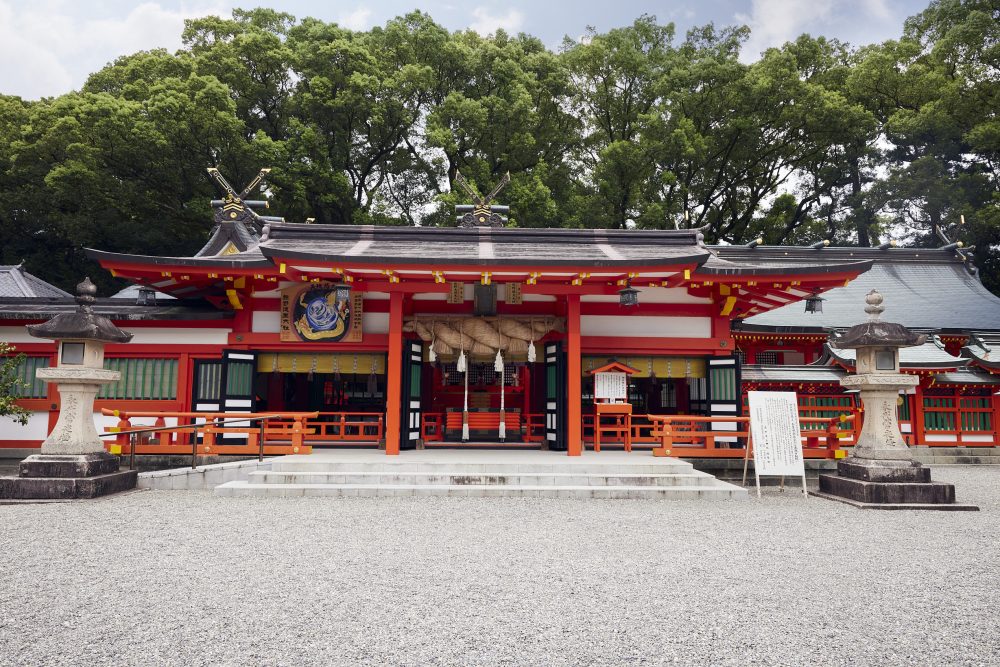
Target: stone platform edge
(938,507)
(202,478)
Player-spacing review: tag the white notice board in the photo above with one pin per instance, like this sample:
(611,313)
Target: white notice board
(611,386)
(774,428)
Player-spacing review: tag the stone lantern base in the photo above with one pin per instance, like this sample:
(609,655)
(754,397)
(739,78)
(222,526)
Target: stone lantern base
(888,485)
(67,477)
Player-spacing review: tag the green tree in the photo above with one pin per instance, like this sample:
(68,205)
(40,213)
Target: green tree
(11,385)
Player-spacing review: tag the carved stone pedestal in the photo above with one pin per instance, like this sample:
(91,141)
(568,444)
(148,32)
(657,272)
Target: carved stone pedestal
(889,485)
(880,473)
(67,477)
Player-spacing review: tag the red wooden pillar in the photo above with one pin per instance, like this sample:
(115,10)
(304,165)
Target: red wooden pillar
(394,374)
(574,416)
(917,415)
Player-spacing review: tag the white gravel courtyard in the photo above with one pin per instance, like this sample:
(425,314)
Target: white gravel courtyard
(188,578)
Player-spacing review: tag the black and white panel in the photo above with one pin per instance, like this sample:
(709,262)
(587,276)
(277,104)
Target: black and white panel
(239,367)
(724,393)
(413,360)
(555,396)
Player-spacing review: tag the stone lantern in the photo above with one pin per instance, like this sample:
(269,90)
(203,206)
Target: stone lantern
(880,471)
(73,462)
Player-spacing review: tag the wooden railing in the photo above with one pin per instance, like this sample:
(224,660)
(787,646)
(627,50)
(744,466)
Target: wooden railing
(695,437)
(202,431)
(346,428)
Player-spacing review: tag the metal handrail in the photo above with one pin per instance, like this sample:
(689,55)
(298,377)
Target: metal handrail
(132,433)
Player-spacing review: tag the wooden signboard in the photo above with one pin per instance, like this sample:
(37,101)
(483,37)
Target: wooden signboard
(611,386)
(321,312)
(776,440)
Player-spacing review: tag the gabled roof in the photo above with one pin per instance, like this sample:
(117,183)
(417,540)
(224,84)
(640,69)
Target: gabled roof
(614,367)
(984,350)
(920,357)
(924,289)
(384,245)
(17,283)
(119,310)
(791,374)
(132,293)
(229,238)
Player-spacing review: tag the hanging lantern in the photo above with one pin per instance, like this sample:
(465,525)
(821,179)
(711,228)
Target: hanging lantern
(628,296)
(814,302)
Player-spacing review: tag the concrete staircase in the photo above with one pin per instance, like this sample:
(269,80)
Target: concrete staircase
(526,474)
(957,455)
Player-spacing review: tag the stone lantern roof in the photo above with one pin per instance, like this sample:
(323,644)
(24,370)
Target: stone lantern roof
(82,324)
(875,332)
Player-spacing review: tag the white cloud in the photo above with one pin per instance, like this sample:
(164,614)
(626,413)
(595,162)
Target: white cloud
(486,23)
(774,22)
(51,46)
(356,20)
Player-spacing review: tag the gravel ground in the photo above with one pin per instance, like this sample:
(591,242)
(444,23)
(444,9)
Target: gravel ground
(185,578)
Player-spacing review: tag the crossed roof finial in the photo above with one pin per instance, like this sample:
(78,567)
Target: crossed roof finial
(483,213)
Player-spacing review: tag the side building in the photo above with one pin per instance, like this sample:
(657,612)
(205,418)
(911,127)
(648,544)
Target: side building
(929,290)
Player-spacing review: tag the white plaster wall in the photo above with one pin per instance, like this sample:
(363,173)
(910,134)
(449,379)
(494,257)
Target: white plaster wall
(266,321)
(645,326)
(651,295)
(375,323)
(18,334)
(180,336)
(37,427)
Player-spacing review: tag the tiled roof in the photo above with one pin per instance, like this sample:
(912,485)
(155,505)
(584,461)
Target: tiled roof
(927,355)
(927,289)
(17,283)
(778,373)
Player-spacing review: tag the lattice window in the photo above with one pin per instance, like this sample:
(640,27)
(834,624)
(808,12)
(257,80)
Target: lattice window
(480,375)
(30,386)
(142,379)
(767,357)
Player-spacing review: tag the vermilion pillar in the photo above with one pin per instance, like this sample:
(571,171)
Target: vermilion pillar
(574,428)
(394,374)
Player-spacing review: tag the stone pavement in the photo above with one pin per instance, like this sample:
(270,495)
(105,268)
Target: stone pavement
(169,577)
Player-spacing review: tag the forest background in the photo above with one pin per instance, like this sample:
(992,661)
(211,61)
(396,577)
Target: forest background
(635,126)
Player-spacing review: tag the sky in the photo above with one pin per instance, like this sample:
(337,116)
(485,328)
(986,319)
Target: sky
(49,47)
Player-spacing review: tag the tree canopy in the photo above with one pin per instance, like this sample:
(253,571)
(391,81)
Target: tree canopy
(638,126)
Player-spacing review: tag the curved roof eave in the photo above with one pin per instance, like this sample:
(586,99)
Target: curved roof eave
(231,262)
(436,262)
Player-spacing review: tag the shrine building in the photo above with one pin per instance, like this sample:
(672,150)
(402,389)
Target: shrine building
(482,335)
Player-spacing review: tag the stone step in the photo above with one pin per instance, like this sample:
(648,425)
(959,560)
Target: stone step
(720,491)
(955,451)
(304,465)
(958,460)
(531,479)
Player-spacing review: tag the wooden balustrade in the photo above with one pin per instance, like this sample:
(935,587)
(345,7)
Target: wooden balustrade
(283,434)
(694,436)
(347,428)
